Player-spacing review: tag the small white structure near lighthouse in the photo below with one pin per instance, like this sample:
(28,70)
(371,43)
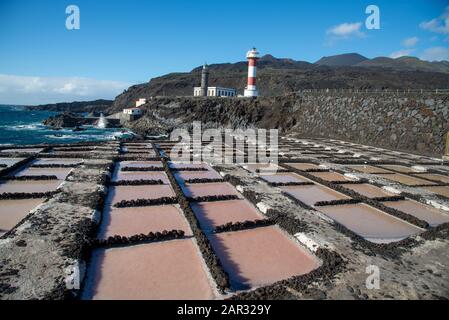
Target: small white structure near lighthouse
(251,89)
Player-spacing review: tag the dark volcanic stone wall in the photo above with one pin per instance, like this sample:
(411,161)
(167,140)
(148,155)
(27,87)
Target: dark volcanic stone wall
(404,121)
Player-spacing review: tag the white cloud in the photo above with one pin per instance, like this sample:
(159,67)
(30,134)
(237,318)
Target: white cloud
(40,90)
(410,42)
(436,54)
(401,53)
(346,30)
(439,24)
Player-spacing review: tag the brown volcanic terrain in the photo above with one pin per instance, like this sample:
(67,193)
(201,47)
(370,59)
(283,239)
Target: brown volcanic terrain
(278,77)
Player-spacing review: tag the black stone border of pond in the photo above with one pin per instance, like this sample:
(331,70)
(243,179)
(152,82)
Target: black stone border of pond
(244,225)
(141,169)
(194,181)
(145,202)
(23,195)
(31,178)
(122,241)
(135,183)
(213,263)
(213,198)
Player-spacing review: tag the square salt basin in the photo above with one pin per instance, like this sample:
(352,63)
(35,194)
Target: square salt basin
(303,166)
(330,176)
(368,190)
(434,177)
(367,169)
(120,193)
(13,211)
(28,186)
(214,214)
(181,166)
(260,256)
(263,167)
(140,164)
(10,161)
(140,175)
(168,270)
(312,194)
(189,175)
(209,189)
(399,168)
(132,221)
(407,180)
(440,190)
(57,161)
(60,173)
(23,150)
(284,177)
(427,213)
(370,223)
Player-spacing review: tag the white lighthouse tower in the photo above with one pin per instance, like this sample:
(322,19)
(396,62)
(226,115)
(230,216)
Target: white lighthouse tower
(251,89)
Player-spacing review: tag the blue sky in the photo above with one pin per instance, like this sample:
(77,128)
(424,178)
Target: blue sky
(120,43)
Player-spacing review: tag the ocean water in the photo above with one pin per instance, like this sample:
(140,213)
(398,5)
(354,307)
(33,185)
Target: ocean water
(20,126)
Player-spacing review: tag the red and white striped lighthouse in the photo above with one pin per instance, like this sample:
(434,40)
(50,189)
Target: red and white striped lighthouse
(251,89)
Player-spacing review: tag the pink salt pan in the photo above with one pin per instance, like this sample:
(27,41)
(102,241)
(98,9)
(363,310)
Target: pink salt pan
(209,189)
(312,194)
(140,164)
(434,177)
(189,165)
(140,175)
(367,169)
(131,221)
(407,180)
(60,173)
(10,161)
(398,168)
(13,211)
(260,256)
(330,176)
(58,161)
(214,214)
(372,224)
(188,175)
(120,193)
(284,177)
(29,186)
(441,190)
(429,214)
(169,270)
(303,166)
(23,150)
(368,190)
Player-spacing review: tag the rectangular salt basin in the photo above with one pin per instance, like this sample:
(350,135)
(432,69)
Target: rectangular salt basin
(429,214)
(368,190)
(303,166)
(214,214)
(311,194)
(140,164)
(13,211)
(441,190)
(370,223)
(209,189)
(434,177)
(140,175)
(260,256)
(189,165)
(28,186)
(407,180)
(367,169)
(132,221)
(284,177)
(169,270)
(399,168)
(60,173)
(330,176)
(23,150)
(263,167)
(57,161)
(120,193)
(188,175)
(10,161)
